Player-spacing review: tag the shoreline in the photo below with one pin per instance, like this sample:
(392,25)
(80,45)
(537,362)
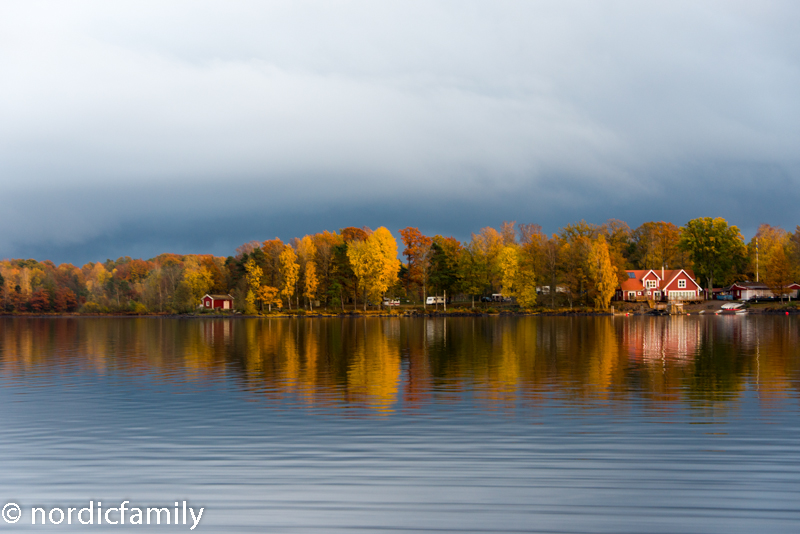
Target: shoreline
(709,310)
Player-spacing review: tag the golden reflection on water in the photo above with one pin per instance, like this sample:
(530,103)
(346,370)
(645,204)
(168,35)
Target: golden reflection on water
(385,364)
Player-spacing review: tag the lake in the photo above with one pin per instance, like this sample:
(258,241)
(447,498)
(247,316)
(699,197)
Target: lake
(686,424)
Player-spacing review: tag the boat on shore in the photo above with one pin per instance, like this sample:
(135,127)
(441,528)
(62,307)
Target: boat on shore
(732,308)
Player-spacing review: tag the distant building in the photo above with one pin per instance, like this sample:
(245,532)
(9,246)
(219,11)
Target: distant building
(662,285)
(211,302)
(750,290)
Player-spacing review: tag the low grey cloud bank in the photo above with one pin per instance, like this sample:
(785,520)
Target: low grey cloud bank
(273,116)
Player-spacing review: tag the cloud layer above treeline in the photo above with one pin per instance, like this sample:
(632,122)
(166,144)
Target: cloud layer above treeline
(144,127)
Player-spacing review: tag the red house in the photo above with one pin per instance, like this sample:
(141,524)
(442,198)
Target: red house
(211,302)
(663,285)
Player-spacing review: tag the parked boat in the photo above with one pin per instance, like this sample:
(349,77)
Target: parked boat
(732,308)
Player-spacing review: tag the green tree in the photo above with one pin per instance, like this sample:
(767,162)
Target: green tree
(714,247)
(444,261)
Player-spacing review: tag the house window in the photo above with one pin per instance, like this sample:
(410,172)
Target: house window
(652,284)
(681,284)
(639,293)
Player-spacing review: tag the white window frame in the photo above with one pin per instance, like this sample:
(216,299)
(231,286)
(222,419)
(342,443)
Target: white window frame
(681,284)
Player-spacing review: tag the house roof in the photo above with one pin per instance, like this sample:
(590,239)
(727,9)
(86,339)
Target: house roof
(219,297)
(635,277)
(677,272)
(749,285)
(757,285)
(631,284)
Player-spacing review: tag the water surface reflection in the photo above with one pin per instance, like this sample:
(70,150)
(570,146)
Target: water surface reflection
(381,365)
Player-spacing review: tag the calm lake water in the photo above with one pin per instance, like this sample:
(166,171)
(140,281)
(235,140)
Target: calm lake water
(532,424)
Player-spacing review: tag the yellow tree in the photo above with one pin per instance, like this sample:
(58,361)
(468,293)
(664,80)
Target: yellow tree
(767,240)
(253,274)
(526,279)
(390,265)
(197,278)
(508,261)
(290,271)
(517,275)
(307,252)
(779,272)
(268,295)
(602,273)
(311,284)
(374,262)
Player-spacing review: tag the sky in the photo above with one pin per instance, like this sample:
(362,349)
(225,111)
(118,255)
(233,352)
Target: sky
(137,128)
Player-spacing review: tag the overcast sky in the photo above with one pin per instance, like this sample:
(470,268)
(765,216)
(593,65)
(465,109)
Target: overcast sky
(136,128)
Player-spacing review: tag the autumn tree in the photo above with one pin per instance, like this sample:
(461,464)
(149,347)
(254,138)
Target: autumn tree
(65,300)
(543,255)
(713,246)
(485,247)
(374,262)
(509,232)
(767,240)
(418,253)
(307,252)
(574,246)
(779,272)
(268,258)
(793,251)
(311,283)
(602,273)
(253,275)
(290,272)
(197,279)
(268,295)
(471,267)
(508,260)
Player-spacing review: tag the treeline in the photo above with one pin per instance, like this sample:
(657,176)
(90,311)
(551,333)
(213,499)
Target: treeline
(357,267)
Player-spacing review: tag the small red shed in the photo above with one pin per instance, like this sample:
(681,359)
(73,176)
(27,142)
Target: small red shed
(211,302)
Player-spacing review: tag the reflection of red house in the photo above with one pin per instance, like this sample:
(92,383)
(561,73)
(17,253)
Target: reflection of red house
(669,284)
(676,339)
(211,302)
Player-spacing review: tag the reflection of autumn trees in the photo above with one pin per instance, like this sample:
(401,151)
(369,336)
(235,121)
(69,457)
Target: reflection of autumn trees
(385,364)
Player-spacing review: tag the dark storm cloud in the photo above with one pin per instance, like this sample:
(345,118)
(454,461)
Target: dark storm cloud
(138,128)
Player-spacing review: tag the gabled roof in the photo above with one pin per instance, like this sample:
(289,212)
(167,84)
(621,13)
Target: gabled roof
(648,272)
(635,277)
(759,285)
(750,285)
(218,297)
(689,274)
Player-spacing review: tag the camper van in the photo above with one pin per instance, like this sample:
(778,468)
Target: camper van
(434,300)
